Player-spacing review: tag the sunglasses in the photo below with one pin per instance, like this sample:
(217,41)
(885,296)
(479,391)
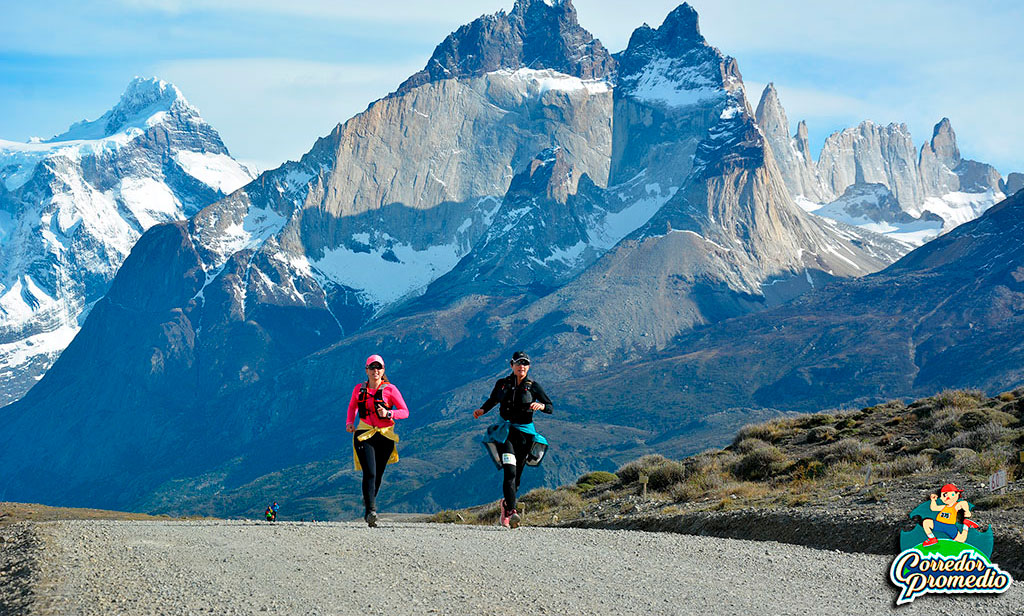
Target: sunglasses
(522,362)
(375,366)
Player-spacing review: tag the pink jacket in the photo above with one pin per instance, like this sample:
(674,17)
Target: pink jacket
(392,399)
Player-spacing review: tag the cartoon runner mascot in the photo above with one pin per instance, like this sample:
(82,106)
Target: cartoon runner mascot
(945,520)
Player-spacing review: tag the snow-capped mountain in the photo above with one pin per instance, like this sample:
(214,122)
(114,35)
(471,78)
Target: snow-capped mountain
(933,189)
(72,207)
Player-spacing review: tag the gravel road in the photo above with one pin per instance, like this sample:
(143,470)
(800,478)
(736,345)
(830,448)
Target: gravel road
(235,567)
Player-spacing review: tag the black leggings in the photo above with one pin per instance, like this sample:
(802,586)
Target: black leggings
(519,445)
(373,454)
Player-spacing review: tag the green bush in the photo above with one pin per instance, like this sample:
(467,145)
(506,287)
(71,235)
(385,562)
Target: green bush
(598,478)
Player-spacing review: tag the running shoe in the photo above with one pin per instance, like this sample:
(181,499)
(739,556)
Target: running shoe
(504,516)
(513,519)
(971,524)
(371,519)
(930,541)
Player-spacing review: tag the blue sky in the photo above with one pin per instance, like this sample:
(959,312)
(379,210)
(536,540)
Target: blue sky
(271,77)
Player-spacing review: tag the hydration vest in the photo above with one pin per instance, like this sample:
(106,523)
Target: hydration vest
(378,398)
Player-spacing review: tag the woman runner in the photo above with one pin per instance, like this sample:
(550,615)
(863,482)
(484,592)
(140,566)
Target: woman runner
(515,442)
(378,403)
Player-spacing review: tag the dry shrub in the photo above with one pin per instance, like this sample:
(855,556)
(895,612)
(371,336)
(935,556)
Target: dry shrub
(989,462)
(769,432)
(973,418)
(817,419)
(1007,396)
(936,440)
(946,420)
(1002,418)
(742,491)
(906,465)
(685,492)
(960,398)
(761,463)
(822,434)
(981,439)
(445,517)
(661,471)
(542,499)
(630,472)
(851,450)
(957,459)
(808,469)
(666,475)
(749,444)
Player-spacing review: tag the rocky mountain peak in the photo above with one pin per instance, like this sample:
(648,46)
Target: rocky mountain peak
(872,154)
(943,144)
(676,66)
(549,173)
(770,115)
(792,154)
(681,28)
(536,34)
(676,36)
(802,141)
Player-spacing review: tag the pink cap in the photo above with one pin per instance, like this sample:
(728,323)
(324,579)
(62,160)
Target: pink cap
(374,358)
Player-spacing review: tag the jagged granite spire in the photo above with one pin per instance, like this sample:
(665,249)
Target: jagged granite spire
(536,34)
(873,154)
(791,153)
(939,157)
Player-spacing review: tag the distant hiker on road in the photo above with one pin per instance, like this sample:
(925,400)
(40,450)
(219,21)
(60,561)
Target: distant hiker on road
(515,442)
(378,403)
(271,512)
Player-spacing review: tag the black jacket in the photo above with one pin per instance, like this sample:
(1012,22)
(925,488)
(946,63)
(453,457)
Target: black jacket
(515,399)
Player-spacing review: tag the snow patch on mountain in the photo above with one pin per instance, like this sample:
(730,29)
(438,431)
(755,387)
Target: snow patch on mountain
(382,275)
(957,208)
(20,353)
(676,84)
(617,225)
(23,299)
(538,82)
(255,228)
(150,201)
(218,171)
